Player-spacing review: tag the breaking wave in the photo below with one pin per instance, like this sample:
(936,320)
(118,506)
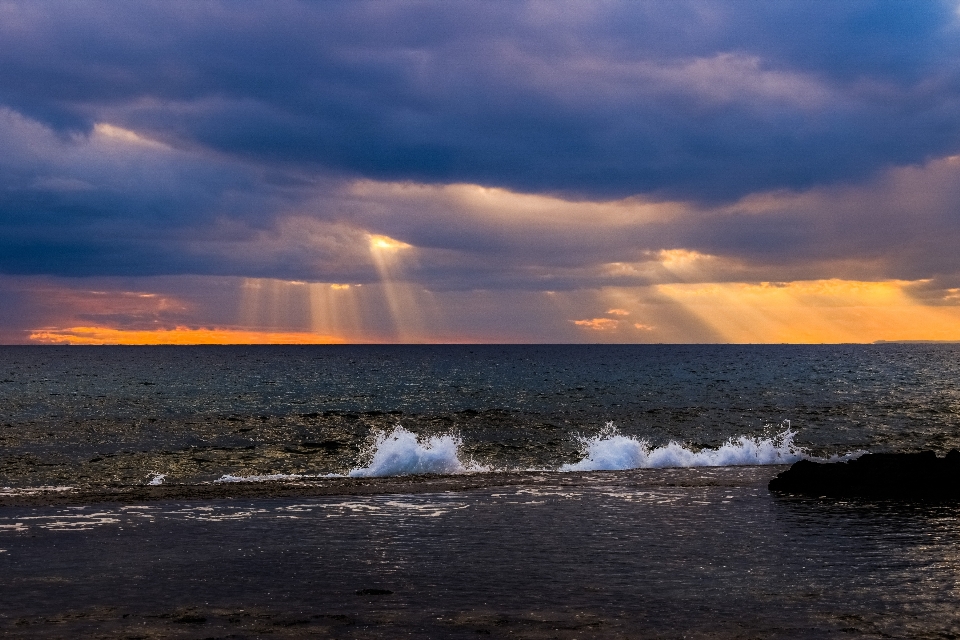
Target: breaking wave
(401,452)
(610,450)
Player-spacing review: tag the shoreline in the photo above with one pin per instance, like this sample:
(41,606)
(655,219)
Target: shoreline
(408,484)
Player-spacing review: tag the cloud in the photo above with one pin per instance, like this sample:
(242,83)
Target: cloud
(113,205)
(598,324)
(115,202)
(393,170)
(690,100)
(902,224)
(124,136)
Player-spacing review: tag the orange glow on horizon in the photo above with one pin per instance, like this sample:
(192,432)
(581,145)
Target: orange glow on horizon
(815,311)
(802,311)
(176,336)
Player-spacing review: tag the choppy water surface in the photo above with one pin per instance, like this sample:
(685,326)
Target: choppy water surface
(72,415)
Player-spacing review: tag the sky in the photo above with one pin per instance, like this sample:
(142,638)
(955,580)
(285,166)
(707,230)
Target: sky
(604,171)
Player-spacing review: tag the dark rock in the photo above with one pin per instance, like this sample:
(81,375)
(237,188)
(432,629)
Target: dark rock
(876,475)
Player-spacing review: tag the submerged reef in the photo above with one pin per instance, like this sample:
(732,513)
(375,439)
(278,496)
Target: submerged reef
(876,475)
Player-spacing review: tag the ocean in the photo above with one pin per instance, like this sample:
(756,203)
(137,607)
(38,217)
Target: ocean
(566,491)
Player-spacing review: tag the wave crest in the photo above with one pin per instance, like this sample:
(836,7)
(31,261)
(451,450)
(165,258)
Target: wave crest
(610,451)
(401,452)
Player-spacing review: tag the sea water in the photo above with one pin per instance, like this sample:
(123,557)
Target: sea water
(72,415)
(644,511)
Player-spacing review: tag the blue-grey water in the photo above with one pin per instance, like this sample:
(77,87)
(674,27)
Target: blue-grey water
(73,415)
(688,552)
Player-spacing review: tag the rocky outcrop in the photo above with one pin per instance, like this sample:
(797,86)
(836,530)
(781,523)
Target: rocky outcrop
(876,475)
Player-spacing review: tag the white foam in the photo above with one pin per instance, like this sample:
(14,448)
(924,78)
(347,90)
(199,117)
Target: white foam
(401,452)
(157,480)
(609,450)
(265,478)
(30,491)
(837,457)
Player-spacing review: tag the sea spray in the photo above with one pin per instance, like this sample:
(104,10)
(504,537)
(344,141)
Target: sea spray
(610,450)
(400,452)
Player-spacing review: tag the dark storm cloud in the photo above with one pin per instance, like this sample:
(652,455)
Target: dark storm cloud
(252,117)
(110,203)
(598,99)
(905,221)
